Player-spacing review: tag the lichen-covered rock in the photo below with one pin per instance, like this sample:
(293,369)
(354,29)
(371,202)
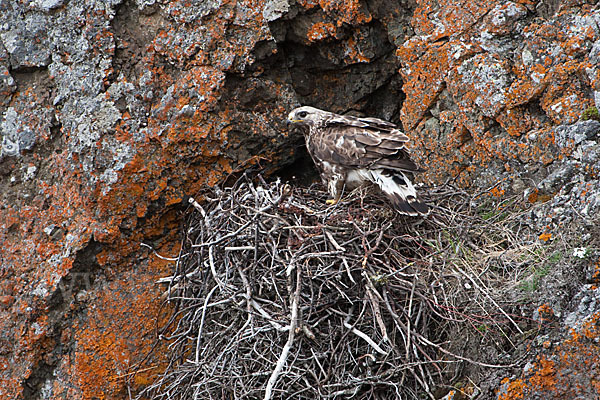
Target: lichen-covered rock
(499,76)
(571,189)
(568,136)
(27,40)
(112,112)
(567,365)
(568,201)
(27,121)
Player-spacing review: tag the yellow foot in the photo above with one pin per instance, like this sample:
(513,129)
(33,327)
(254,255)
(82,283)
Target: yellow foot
(331,202)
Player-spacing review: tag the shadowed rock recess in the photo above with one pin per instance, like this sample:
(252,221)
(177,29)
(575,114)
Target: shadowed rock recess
(112,112)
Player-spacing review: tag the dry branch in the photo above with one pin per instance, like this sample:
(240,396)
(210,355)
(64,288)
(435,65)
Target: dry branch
(373,309)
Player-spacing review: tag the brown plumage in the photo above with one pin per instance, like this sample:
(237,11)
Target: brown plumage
(349,151)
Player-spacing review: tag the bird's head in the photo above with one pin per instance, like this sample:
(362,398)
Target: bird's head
(305,117)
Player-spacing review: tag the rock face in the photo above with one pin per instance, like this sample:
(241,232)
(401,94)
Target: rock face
(112,112)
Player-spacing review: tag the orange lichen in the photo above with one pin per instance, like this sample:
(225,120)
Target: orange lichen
(545,375)
(488,88)
(308,4)
(424,80)
(544,237)
(496,192)
(568,372)
(122,327)
(596,272)
(346,11)
(320,31)
(514,390)
(354,53)
(546,313)
(447,18)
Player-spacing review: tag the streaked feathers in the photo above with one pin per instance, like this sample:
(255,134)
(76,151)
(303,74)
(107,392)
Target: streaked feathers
(350,151)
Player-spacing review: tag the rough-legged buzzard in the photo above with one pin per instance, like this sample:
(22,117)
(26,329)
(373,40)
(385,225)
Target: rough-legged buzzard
(350,151)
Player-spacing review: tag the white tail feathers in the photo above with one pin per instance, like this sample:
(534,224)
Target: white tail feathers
(396,186)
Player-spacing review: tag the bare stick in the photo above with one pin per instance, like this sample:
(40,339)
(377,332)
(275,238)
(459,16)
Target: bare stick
(202,323)
(375,305)
(485,292)
(158,255)
(197,206)
(288,345)
(238,316)
(366,338)
(269,319)
(248,296)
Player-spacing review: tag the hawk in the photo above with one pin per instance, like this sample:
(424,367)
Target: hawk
(351,151)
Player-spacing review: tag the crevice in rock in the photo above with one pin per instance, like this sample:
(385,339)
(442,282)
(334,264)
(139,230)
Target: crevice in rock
(134,30)
(386,101)
(37,79)
(465,136)
(326,73)
(62,305)
(22,69)
(301,171)
(38,382)
(534,107)
(322,74)
(13,185)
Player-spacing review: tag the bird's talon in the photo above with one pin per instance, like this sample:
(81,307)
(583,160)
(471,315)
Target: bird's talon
(331,202)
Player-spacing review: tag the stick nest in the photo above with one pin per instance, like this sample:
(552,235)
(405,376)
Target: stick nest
(277,295)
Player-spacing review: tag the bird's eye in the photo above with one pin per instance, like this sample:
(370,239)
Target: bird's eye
(302,114)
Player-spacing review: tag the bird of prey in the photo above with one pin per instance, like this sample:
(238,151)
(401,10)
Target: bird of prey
(350,151)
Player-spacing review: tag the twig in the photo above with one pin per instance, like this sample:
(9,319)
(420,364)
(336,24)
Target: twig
(375,306)
(197,206)
(485,292)
(232,291)
(158,255)
(366,338)
(248,296)
(288,345)
(269,319)
(202,323)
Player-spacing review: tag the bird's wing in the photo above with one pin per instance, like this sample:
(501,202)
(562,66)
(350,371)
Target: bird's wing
(375,149)
(362,143)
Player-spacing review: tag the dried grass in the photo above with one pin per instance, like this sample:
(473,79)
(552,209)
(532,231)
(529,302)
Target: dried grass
(277,295)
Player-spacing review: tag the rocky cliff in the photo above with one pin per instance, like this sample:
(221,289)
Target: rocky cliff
(114,111)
